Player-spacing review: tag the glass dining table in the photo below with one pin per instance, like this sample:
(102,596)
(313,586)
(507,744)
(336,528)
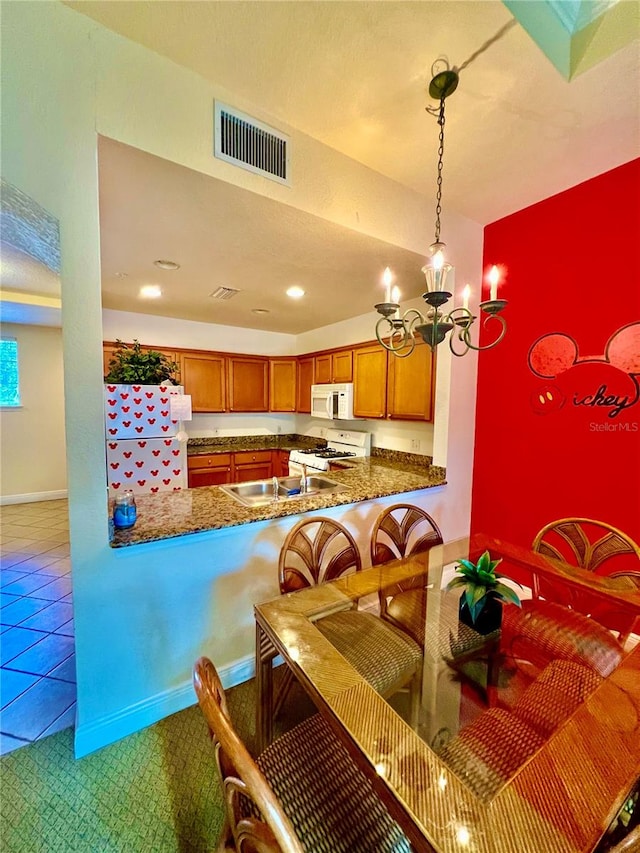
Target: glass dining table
(525,739)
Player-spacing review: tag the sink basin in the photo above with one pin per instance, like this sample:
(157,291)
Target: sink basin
(260,492)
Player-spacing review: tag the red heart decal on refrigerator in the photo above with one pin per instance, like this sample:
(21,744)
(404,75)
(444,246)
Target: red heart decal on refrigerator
(112,415)
(111,388)
(151,421)
(174,422)
(139,464)
(166,482)
(154,473)
(136,388)
(148,394)
(126,408)
(115,465)
(115,485)
(127,454)
(124,396)
(164,400)
(112,445)
(177,488)
(141,482)
(176,452)
(156,452)
(113,432)
(137,400)
(137,415)
(164,428)
(168,441)
(126,423)
(176,471)
(163,388)
(154,489)
(112,402)
(150,408)
(166,462)
(165,414)
(139,429)
(128,473)
(142,444)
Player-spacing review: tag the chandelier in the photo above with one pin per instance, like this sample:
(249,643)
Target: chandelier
(396,332)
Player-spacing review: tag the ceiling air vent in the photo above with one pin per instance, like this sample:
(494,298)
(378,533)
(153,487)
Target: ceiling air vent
(250,144)
(224,293)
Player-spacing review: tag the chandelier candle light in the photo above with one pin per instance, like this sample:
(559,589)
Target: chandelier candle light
(395,332)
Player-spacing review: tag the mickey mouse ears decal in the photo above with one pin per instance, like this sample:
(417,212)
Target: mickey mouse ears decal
(556,352)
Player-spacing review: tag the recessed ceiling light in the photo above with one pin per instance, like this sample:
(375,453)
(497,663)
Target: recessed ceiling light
(295,292)
(150,291)
(166,265)
(260,311)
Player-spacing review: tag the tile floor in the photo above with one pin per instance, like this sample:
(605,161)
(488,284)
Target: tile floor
(37,673)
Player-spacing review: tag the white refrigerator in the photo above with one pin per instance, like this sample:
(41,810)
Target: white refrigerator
(143,452)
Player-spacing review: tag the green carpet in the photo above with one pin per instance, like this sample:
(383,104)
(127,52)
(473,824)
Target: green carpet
(154,791)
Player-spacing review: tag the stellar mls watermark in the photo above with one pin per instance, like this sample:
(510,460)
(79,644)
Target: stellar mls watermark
(614,427)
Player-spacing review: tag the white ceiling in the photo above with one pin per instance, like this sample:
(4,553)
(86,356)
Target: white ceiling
(353,75)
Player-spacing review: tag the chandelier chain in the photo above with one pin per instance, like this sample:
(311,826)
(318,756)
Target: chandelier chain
(502,31)
(439,179)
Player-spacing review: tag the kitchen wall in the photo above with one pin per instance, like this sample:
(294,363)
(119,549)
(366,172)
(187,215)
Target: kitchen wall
(143,614)
(32,440)
(548,444)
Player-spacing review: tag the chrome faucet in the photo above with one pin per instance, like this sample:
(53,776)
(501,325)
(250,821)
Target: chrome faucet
(275,489)
(303,480)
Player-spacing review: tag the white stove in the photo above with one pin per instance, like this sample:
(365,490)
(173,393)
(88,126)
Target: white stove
(341,444)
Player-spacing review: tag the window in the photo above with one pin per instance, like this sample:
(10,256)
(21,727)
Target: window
(9,381)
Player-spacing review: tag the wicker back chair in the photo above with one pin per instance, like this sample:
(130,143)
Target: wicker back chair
(318,550)
(401,530)
(596,547)
(303,793)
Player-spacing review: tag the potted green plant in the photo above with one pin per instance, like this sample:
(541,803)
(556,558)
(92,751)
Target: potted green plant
(130,364)
(483,593)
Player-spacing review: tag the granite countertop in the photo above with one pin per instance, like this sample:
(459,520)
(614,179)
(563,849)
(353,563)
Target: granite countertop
(233,444)
(170,514)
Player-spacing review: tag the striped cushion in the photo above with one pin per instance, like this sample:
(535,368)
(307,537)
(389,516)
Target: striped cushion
(327,798)
(383,655)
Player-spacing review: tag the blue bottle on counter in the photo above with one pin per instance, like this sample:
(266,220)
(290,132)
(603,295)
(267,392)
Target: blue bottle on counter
(125,512)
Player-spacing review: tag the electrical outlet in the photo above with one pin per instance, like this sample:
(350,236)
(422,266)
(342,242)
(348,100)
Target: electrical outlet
(279,430)
(415,444)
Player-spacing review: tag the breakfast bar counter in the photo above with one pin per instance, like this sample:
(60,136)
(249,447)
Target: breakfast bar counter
(170,514)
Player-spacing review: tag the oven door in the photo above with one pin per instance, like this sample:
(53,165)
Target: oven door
(295,469)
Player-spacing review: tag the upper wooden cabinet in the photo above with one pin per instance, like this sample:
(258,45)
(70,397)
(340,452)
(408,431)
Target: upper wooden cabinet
(282,384)
(248,383)
(204,378)
(410,385)
(370,382)
(305,381)
(334,367)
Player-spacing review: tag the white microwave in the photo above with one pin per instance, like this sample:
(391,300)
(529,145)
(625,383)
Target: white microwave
(332,402)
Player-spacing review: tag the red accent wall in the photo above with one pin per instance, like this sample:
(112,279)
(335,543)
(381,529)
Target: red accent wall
(548,440)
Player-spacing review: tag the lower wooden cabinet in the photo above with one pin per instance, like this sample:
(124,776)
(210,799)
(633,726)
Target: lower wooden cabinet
(252,465)
(280,463)
(370,382)
(212,470)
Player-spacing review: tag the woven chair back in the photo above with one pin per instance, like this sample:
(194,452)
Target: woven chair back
(587,544)
(400,530)
(254,817)
(315,551)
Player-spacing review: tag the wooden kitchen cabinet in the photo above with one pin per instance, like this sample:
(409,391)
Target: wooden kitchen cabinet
(370,382)
(334,367)
(252,465)
(247,384)
(282,384)
(305,381)
(280,460)
(214,469)
(410,385)
(204,378)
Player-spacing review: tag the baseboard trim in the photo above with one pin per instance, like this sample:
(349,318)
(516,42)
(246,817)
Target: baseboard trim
(102,732)
(33,497)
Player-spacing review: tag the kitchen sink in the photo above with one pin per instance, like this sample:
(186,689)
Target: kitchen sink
(261,492)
